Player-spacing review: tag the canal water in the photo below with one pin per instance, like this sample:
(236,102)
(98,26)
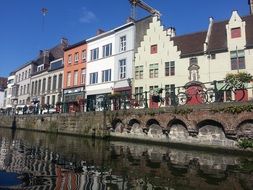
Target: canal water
(31,160)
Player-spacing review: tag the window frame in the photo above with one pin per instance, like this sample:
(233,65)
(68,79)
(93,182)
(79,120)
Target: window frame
(94,54)
(107,50)
(95,77)
(122,69)
(123,43)
(170,68)
(106,75)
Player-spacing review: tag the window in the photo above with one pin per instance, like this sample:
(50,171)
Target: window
(139,96)
(69,59)
(25,74)
(153,70)
(21,90)
(236,32)
(139,72)
(54,83)
(122,46)
(84,55)
(76,57)
(193,61)
(60,82)
(75,78)
(106,75)
(29,72)
(83,76)
(153,49)
(68,78)
(237,60)
(43,86)
(48,99)
(170,68)
(19,77)
(107,50)
(39,87)
(169,94)
(24,89)
(36,88)
(56,65)
(53,100)
(153,88)
(28,88)
(94,54)
(49,84)
(32,89)
(122,68)
(22,75)
(40,68)
(94,78)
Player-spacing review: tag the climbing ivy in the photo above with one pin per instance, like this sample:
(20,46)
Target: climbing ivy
(233,109)
(245,143)
(183,111)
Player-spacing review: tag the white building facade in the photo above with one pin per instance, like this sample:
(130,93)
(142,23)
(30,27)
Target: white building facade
(21,88)
(110,60)
(165,61)
(9,104)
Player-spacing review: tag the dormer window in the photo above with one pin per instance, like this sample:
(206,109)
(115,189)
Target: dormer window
(236,32)
(40,68)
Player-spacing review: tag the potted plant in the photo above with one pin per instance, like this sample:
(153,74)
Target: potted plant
(239,82)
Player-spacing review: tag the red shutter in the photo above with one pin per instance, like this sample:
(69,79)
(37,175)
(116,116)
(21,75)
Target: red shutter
(153,49)
(235,32)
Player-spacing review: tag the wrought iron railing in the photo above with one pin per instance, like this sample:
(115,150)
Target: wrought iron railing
(192,93)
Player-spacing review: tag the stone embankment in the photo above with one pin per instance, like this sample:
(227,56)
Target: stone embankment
(217,125)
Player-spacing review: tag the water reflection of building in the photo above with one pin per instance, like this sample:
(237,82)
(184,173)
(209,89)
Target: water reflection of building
(118,165)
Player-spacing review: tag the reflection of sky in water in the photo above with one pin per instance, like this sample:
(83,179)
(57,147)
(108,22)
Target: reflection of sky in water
(61,162)
(9,179)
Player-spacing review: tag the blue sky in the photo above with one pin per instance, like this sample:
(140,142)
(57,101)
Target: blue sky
(22,34)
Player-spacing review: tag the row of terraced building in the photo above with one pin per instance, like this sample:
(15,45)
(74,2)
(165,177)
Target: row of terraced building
(135,58)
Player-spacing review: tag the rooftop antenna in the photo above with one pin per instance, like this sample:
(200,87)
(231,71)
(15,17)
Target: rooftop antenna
(44,11)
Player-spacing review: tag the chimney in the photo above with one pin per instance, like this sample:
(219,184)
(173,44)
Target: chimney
(171,31)
(251,6)
(64,41)
(99,31)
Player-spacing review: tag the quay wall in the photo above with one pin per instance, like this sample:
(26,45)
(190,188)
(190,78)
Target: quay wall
(208,125)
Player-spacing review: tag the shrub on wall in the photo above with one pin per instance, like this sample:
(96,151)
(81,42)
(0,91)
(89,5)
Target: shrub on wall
(241,77)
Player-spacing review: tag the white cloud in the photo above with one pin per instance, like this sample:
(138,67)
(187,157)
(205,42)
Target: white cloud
(87,16)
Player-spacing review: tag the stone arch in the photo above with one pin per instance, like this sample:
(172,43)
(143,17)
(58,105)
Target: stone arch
(245,129)
(154,128)
(245,117)
(133,121)
(117,125)
(152,122)
(135,127)
(177,130)
(211,122)
(176,122)
(211,130)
